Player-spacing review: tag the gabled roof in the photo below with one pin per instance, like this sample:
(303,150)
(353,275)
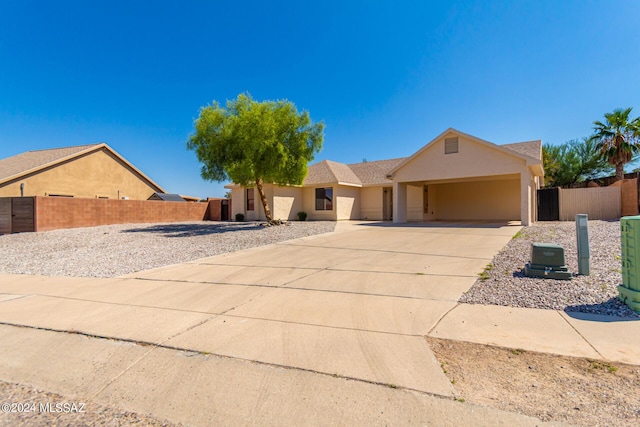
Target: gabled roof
(524,150)
(375,173)
(355,174)
(15,167)
(329,172)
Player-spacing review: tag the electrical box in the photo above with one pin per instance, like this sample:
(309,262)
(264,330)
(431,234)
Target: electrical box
(629,292)
(547,261)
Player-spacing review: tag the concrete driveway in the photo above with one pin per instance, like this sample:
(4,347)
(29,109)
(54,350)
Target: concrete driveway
(350,305)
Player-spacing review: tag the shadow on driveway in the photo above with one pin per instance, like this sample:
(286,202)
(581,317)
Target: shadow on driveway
(442,224)
(195,229)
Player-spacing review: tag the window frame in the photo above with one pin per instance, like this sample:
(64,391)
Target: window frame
(326,203)
(251,201)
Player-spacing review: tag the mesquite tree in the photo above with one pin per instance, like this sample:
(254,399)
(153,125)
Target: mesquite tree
(253,143)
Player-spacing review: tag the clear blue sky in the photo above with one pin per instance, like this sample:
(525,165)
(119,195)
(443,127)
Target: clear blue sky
(385,77)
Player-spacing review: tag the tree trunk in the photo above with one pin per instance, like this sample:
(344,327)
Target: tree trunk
(619,171)
(265,204)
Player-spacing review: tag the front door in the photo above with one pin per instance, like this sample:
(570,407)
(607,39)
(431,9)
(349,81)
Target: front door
(387,204)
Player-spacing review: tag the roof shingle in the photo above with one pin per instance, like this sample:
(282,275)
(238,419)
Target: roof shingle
(25,162)
(528,148)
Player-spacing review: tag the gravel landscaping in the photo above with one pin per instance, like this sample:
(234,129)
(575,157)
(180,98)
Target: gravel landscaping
(113,250)
(504,283)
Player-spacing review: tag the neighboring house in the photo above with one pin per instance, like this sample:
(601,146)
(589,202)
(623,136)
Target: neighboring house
(166,197)
(94,171)
(456,176)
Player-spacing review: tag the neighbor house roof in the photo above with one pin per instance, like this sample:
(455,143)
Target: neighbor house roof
(528,148)
(30,162)
(166,197)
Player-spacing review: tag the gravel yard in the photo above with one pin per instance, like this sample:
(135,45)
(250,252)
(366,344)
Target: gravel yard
(505,284)
(113,250)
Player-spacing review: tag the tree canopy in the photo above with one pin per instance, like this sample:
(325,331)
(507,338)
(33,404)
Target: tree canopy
(572,162)
(253,143)
(618,138)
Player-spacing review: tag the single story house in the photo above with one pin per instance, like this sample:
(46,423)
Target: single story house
(456,176)
(94,171)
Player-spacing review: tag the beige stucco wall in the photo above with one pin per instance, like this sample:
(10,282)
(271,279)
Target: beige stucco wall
(371,203)
(97,174)
(473,159)
(347,202)
(477,200)
(287,202)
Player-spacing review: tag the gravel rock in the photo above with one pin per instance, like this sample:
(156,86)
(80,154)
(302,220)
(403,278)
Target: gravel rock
(597,293)
(113,250)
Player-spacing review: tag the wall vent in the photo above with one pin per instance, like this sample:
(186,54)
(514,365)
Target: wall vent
(451,145)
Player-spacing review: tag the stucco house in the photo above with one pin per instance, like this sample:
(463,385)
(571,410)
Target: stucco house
(94,171)
(456,176)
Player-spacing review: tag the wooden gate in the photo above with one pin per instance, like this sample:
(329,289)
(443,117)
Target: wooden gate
(22,218)
(548,204)
(5,215)
(16,215)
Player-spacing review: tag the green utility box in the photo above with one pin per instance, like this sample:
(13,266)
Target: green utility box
(547,261)
(629,292)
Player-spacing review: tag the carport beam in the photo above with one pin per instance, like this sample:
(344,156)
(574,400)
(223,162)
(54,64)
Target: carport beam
(525,198)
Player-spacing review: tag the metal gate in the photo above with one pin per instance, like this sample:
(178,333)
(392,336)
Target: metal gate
(224,210)
(548,204)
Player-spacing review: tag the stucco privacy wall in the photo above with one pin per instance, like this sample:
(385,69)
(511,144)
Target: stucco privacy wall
(478,200)
(63,212)
(96,174)
(597,203)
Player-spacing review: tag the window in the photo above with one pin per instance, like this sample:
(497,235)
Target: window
(250,201)
(451,145)
(324,199)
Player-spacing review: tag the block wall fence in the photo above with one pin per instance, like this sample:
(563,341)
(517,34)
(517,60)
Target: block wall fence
(51,213)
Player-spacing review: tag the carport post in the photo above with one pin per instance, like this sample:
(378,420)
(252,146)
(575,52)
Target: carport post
(399,203)
(525,198)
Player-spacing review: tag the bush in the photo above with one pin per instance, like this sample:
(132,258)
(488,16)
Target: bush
(302,216)
(239,217)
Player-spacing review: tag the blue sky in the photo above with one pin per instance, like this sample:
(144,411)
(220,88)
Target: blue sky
(385,76)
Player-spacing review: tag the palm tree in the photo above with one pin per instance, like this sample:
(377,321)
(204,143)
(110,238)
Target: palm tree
(618,138)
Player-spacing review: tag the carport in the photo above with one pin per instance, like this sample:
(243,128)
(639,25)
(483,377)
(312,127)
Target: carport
(457,176)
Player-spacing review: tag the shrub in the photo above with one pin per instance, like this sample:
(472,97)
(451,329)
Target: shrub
(239,217)
(302,216)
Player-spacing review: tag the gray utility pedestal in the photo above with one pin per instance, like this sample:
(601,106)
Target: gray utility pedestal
(547,261)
